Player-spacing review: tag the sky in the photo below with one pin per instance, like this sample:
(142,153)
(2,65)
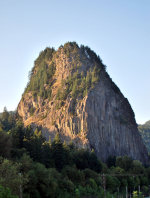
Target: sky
(117,30)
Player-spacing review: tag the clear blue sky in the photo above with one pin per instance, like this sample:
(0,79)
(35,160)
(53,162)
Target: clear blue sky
(117,30)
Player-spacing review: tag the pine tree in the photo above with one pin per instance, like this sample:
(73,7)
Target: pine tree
(58,152)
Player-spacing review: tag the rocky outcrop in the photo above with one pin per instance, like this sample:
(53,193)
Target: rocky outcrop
(100,119)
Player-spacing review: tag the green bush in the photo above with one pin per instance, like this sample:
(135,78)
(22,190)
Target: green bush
(6,193)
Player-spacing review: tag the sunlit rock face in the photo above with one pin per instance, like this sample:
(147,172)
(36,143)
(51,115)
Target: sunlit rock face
(71,93)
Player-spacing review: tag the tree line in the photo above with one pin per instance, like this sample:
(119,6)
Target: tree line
(31,167)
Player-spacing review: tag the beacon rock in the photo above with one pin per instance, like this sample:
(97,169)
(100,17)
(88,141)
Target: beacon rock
(71,93)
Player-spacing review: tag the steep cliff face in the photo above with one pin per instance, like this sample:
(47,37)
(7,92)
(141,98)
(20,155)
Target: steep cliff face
(71,93)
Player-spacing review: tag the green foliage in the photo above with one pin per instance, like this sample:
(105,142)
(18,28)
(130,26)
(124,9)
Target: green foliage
(78,84)
(84,159)
(38,168)
(91,54)
(39,183)
(40,78)
(7,120)
(58,153)
(5,144)
(73,174)
(112,183)
(137,167)
(31,110)
(11,177)
(111,161)
(70,48)
(124,162)
(47,54)
(6,193)
(145,133)
(34,144)
(137,195)
(59,104)
(17,134)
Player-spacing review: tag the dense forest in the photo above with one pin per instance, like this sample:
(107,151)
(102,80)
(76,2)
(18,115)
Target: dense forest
(31,167)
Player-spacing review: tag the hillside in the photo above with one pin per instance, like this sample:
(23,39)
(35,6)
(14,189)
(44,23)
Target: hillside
(145,133)
(70,93)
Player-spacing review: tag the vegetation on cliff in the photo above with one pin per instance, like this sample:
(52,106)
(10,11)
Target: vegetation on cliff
(78,83)
(40,78)
(145,133)
(35,168)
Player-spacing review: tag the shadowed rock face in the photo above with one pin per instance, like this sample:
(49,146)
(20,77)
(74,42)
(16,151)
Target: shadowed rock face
(95,116)
(112,129)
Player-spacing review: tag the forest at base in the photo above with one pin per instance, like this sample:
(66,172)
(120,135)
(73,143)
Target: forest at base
(31,167)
